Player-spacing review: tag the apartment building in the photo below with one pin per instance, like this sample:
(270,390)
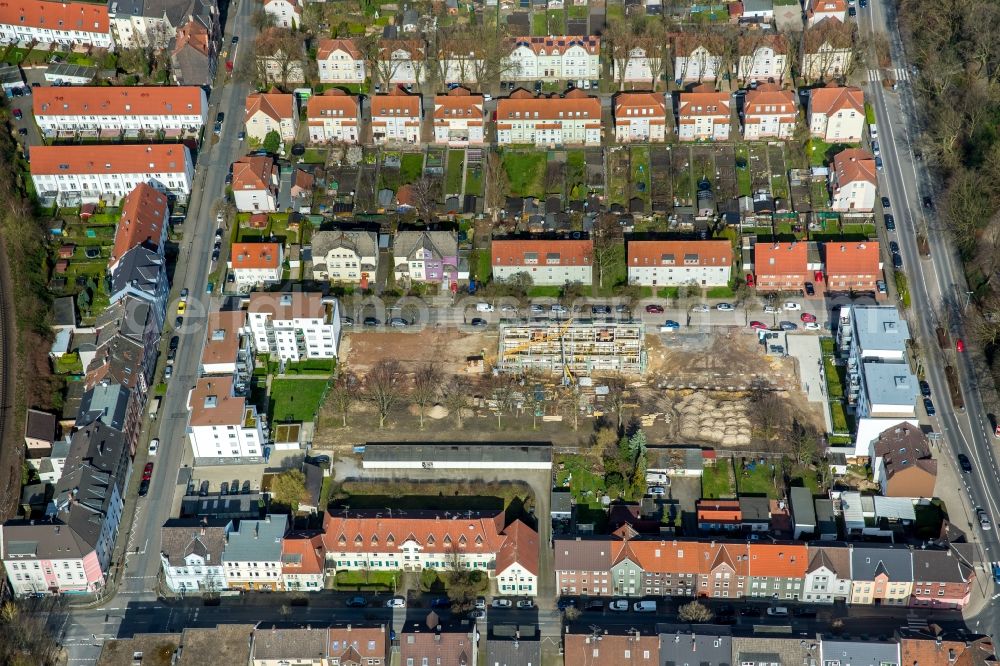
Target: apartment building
(191,554)
(142,273)
(284,13)
(255,184)
(821,10)
(109,111)
(458,118)
(941,579)
(697,57)
(303,562)
(46,22)
(654,263)
(252,555)
(143,222)
(637,66)
(769,113)
(223,425)
(881,574)
(548,261)
(517,561)
(902,462)
(345,256)
(640,117)
(827,50)
(348,645)
(556,58)
(852,266)
(853,181)
(227,349)
(396,117)
(89,174)
(614,646)
(837,115)
(784,266)
(255,264)
(828,577)
(704,116)
(401,62)
(425,256)
(271,112)
(763,58)
(294,326)
(334,117)
(340,61)
(573,119)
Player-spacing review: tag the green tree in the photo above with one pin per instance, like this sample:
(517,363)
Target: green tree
(272,142)
(289,488)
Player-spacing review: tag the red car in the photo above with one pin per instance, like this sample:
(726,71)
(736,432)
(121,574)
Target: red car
(806,317)
(759,325)
(959,346)
(654,309)
(17,114)
(147,472)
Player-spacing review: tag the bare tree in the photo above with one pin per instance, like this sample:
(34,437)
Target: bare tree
(344,392)
(569,399)
(695,612)
(625,38)
(504,391)
(497,182)
(533,399)
(455,396)
(616,399)
(384,388)
(426,192)
(607,237)
(426,388)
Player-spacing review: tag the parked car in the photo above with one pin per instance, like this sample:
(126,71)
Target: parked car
(724,307)
(17,114)
(885,202)
(984,520)
(777,611)
(811,326)
(178,322)
(168,372)
(788,326)
(653,308)
(758,325)
(154,445)
(894,247)
(890,223)
(356,602)
(143,488)
(174,341)
(928,203)
(478,614)
(880,286)
(959,346)
(210,287)
(23,131)
(771,309)
(657,491)
(810,289)
(536,309)
(526,604)
(963,462)
(807,317)
(347,322)
(669,326)
(558,308)
(147,472)
(479,322)
(600,309)
(371,321)
(480,603)
(878,163)
(929,407)
(925,389)
(396,602)
(502,603)
(484,307)
(618,605)
(701,307)
(398,322)
(897,261)
(644,607)
(791,306)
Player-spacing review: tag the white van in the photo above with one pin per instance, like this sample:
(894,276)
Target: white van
(653,478)
(644,607)
(873,130)
(484,307)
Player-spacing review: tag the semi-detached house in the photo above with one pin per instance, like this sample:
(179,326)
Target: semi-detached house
(89,174)
(556,58)
(111,111)
(837,115)
(548,261)
(574,119)
(640,117)
(653,263)
(852,266)
(63,23)
(697,57)
(191,553)
(334,117)
(784,266)
(396,117)
(704,116)
(345,256)
(340,61)
(763,58)
(458,118)
(271,112)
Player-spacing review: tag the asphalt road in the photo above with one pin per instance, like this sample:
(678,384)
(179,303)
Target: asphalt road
(938,296)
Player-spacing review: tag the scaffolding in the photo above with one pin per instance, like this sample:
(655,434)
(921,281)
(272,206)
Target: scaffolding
(575,348)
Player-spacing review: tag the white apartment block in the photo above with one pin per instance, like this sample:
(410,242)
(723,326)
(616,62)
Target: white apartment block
(102,110)
(853,181)
(837,115)
(401,62)
(459,68)
(221,424)
(340,61)
(252,557)
(294,326)
(333,117)
(702,263)
(704,116)
(255,264)
(191,554)
(88,174)
(285,13)
(640,117)
(637,65)
(697,64)
(396,117)
(769,113)
(64,23)
(574,119)
(458,118)
(547,261)
(764,62)
(556,58)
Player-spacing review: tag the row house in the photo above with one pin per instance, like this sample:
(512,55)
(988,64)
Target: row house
(574,119)
(334,117)
(115,406)
(418,540)
(100,110)
(656,263)
(425,256)
(303,562)
(785,266)
(458,118)
(222,424)
(44,22)
(640,117)
(853,181)
(633,647)
(763,58)
(255,264)
(852,266)
(294,326)
(340,61)
(191,554)
(548,261)
(401,62)
(697,57)
(556,58)
(154,24)
(769,113)
(345,256)
(704,116)
(837,115)
(251,559)
(719,515)
(69,550)
(271,112)
(396,117)
(827,50)
(833,266)
(143,221)
(827,578)
(350,645)
(255,184)
(284,13)
(90,174)
(881,574)
(194,53)
(128,332)
(142,274)
(431,643)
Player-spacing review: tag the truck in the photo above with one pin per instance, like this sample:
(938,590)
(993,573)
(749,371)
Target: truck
(154,406)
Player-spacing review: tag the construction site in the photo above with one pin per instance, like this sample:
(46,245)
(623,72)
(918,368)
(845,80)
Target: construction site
(572,348)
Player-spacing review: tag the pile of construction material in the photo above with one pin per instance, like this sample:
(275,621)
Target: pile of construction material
(715,420)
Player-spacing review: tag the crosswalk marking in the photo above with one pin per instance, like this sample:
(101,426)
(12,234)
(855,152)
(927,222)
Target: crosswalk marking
(895,73)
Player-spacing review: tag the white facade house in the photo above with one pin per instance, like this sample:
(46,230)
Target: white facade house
(556,58)
(703,263)
(547,261)
(853,181)
(704,116)
(769,113)
(634,67)
(221,424)
(191,554)
(340,61)
(88,174)
(828,577)
(763,59)
(255,184)
(271,112)
(574,119)
(396,117)
(61,110)
(255,264)
(458,118)
(294,326)
(333,117)
(837,115)
(252,557)
(640,117)
(61,23)
(345,256)
(827,50)
(517,562)
(401,61)
(694,62)
(285,13)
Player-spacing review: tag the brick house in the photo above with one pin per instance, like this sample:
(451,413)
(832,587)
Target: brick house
(782,266)
(902,463)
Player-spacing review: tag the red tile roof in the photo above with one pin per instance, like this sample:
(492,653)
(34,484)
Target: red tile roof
(667,556)
(278,106)
(334,103)
(255,255)
(768,100)
(833,99)
(302,554)
(640,101)
(137,158)
(143,216)
(554,45)
(253,172)
(576,102)
(520,546)
(117,101)
(326,47)
(781,258)
(779,560)
(565,252)
(694,104)
(458,103)
(69,16)
(611,650)
(397,103)
(852,258)
(704,253)
(853,164)
(370,531)
(718,510)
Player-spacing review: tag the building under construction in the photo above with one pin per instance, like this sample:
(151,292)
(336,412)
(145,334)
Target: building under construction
(572,347)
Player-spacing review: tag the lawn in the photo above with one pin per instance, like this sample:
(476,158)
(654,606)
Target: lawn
(576,174)
(317,366)
(356,580)
(525,171)
(481,264)
(539,27)
(834,386)
(902,288)
(717,480)
(720,292)
(615,12)
(557,22)
(743,182)
(821,153)
(779,187)
(453,174)
(640,172)
(314,156)
(869,113)
(577,473)
(578,11)
(474,180)
(828,346)
(615,272)
(296,399)
(545,291)
(839,417)
(759,479)
(411,167)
